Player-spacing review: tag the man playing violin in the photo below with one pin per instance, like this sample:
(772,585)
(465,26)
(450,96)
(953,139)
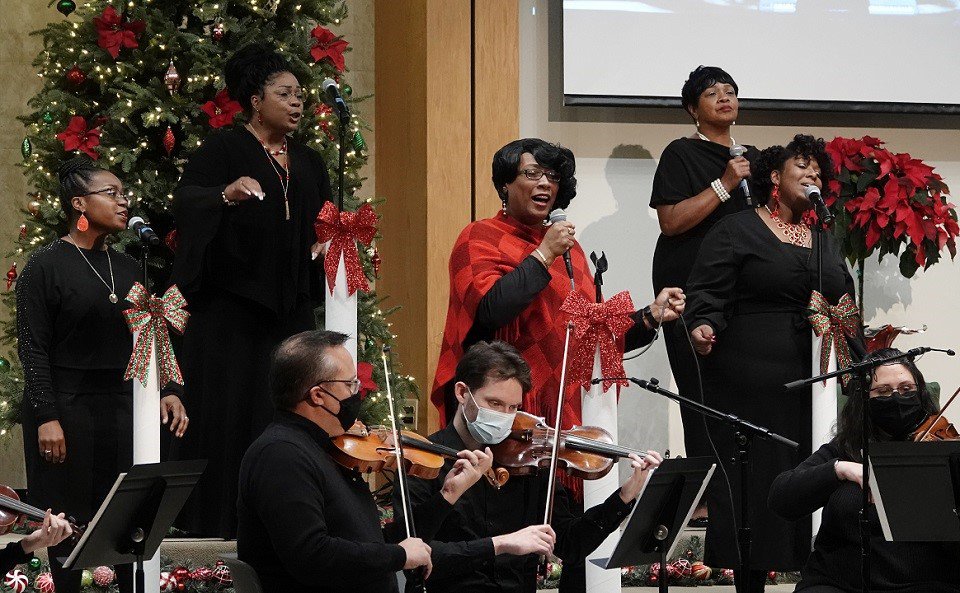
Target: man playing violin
(306,523)
(832,478)
(492,539)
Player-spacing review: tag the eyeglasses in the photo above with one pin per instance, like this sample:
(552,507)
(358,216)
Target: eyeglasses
(353,383)
(288,97)
(534,174)
(110,192)
(887,391)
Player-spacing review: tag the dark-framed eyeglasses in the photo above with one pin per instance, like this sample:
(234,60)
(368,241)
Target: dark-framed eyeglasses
(887,391)
(534,174)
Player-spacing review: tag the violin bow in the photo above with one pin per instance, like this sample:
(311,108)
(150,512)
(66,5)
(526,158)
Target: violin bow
(414,580)
(940,415)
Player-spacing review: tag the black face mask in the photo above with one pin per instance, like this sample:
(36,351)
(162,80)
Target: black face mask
(349,410)
(897,414)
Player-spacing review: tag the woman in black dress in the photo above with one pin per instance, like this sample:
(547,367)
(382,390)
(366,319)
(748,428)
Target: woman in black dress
(696,184)
(74,344)
(832,478)
(245,208)
(747,295)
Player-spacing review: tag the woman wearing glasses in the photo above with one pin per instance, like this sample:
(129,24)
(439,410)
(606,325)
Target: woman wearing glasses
(832,479)
(74,344)
(245,208)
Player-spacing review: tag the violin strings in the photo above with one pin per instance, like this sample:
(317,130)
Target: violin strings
(16,505)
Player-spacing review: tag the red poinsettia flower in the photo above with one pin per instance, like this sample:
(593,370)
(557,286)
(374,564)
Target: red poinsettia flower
(78,137)
(365,374)
(846,153)
(221,110)
(915,170)
(113,33)
(328,46)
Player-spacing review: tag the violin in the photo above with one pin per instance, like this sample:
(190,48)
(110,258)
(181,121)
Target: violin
(936,427)
(585,452)
(371,450)
(12,508)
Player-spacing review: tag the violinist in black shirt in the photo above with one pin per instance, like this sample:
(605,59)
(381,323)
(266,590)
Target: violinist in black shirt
(306,523)
(491,540)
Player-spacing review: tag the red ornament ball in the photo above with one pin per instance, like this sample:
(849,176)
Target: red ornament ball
(201,574)
(181,574)
(700,571)
(76,76)
(683,567)
(44,583)
(772,576)
(221,574)
(16,580)
(11,275)
(103,576)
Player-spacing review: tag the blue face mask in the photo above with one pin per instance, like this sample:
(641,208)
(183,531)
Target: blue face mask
(490,427)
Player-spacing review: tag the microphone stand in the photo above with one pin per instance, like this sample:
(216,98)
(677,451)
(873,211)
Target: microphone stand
(860,378)
(744,432)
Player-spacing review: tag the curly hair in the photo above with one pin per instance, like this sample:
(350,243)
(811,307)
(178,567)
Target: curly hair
(775,158)
(700,80)
(248,71)
(506,163)
(492,361)
(75,175)
(850,420)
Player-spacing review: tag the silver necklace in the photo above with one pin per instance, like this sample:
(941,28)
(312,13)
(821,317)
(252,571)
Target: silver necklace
(705,139)
(112,286)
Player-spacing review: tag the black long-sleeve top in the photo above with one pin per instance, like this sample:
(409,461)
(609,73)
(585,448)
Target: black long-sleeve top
(895,566)
(463,554)
(307,524)
(515,290)
(249,249)
(11,555)
(70,337)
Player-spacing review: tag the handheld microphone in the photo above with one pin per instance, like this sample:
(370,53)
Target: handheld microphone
(557,216)
(813,194)
(332,91)
(146,235)
(737,151)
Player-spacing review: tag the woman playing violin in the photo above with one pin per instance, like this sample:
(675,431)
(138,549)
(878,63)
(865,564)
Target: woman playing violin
(832,478)
(55,529)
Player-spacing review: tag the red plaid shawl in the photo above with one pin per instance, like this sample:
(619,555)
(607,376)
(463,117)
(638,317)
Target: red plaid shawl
(486,250)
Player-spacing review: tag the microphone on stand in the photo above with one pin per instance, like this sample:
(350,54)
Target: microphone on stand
(737,151)
(146,234)
(335,100)
(812,192)
(557,216)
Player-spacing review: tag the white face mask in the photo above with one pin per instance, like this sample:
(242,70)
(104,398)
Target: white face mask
(490,427)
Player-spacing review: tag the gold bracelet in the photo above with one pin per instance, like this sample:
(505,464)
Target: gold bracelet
(543,259)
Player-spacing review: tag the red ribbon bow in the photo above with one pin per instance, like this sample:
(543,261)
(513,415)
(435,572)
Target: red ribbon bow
(598,324)
(834,323)
(343,230)
(149,316)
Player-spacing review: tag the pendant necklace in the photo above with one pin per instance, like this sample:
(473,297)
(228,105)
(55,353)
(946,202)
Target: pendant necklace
(112,286)
(283,173)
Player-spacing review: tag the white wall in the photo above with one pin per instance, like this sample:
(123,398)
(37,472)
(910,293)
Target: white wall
(616,152)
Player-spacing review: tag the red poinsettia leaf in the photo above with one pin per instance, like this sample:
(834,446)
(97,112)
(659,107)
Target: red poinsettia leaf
(873,235)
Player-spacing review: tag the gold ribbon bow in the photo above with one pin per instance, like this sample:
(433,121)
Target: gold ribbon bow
(343,230)
(834,323)
(598,324)
(150,315)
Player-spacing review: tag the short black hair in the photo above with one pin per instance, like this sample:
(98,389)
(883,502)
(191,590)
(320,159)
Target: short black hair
(774,158)
(506,163)
(700,80)
(75,175)
(249,69)
(300,362)
(849,422)
(492,361)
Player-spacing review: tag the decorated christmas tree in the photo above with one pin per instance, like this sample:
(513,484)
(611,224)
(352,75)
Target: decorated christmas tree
(137,85)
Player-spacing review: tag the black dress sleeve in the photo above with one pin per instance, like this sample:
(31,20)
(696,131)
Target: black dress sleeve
(510,295)
(578,536)
(11,555)
(35,330)
(671,181)
(713,278)
(800,491)
(197,207)
(638,336)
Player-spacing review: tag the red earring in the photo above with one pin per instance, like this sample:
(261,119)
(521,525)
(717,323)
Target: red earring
(82,223)
(775,201)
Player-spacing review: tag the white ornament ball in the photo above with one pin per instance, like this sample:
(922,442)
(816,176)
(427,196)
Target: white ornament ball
(16,580)
(168,582)
(44,583)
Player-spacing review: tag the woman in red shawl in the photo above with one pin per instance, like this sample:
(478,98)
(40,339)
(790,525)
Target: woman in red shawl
(508,279)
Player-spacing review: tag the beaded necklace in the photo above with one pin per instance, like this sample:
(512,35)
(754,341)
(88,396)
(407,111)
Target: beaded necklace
(283,172)
(796,233)
(705,139)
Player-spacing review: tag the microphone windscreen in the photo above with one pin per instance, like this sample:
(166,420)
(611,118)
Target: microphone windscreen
(737,150)
(329,82)
(811,190)
(558,215)
(135,221)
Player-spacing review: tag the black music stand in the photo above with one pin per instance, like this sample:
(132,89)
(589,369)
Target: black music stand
(916,489)
(136,515)
(665,505)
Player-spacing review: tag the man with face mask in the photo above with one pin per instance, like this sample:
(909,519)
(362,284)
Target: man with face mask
(832,478)
(492,539)
(306,523)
